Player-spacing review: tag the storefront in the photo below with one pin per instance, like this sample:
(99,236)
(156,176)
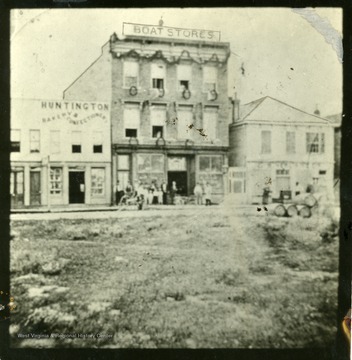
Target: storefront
(61,154)
(185,168)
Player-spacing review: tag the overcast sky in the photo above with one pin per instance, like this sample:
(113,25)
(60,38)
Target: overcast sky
(275,51)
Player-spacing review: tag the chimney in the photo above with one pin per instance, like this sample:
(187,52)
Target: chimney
(317,111)
(235,109)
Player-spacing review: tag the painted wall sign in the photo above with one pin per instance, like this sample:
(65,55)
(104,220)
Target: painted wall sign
(69,105)
(170,32)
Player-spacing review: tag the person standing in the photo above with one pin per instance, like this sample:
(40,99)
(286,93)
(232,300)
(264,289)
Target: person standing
(208,191)
(266,195)
(198,192)
(164,190)
(173,192)
(119,192)
(298,189)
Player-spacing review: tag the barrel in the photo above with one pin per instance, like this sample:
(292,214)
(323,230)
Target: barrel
(304,211)
(276,209)
(310,200)
(292,210)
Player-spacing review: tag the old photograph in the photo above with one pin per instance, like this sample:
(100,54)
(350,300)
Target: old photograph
(175,177)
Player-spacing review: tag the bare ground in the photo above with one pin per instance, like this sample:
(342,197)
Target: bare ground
(208,278)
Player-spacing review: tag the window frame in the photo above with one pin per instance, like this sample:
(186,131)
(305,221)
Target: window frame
(93,186)
(125,86)
(32,148)
(53,190)
(204,88)
(269,147)
(318,142)
(291,144)
(15,142)
(131,129)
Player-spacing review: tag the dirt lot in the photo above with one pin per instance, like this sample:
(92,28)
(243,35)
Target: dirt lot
(214,278)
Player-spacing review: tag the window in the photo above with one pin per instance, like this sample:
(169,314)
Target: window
(131,118)
(34,141)
(16,181)
(210,164)
(184,76)
(282,182)
(55,181)
(151,163)
(158,120)
(130,73)
(97,149)
(210,120)
(131,133)
(266,142)
(98,181)
(97,142)
(15,140)
(184,122)
(157,131)
(290,142)
(158,73)
(76,141)
(54,141)
(210,75)
(315,142)
(123,173)
(158,83)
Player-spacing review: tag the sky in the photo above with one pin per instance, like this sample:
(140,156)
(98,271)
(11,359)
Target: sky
(293,55)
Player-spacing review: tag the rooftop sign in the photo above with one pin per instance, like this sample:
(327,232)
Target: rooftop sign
(169,32)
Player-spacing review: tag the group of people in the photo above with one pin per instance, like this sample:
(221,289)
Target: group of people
(203,194)
(158,194)
(150,193)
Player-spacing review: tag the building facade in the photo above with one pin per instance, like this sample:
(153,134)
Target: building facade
(60,153)
(277,146)
(169,109)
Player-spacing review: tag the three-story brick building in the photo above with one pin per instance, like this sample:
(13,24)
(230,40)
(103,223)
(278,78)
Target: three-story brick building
(169,108)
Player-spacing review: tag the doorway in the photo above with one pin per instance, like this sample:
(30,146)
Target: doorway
(181,181)
(16,189)
(76,187)
(35,192)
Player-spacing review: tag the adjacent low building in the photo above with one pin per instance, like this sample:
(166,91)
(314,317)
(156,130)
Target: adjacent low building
(275,145)
(60,153)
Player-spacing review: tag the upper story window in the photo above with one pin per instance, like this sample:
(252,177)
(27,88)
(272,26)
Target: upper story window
(34,141)
(290,142)
(15,140)
(210,120)
(97,142)
(158,73)
(76,137)
(184,77)
(315,143)
(131,119)
(54,141)
(266,141)
(184,122)
(130,73)
(158,120)
(210,78)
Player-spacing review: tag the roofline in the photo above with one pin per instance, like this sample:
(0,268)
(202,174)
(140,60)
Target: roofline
(293,107)
(170,40)
(60,100)
(74,81)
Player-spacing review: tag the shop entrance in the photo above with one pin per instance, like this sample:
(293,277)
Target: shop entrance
(17,198)
(76,187)
(181,181)
(35,192)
